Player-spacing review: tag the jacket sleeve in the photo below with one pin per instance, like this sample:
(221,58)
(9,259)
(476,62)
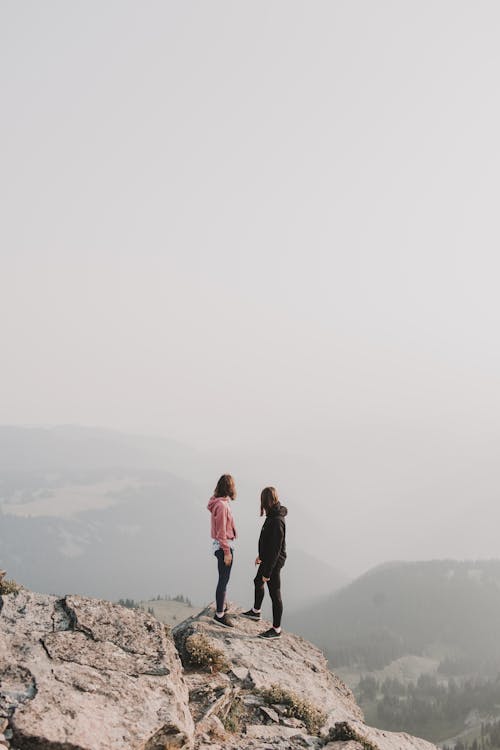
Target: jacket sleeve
(275,540)
(220,518)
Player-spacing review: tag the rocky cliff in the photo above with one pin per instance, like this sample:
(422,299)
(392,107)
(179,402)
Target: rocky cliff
(85,674)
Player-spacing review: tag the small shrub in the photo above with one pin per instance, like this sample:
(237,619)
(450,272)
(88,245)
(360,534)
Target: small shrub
(298,707)
(8,586)
(202,653)
(343,732)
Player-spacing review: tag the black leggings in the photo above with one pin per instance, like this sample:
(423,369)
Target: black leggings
(224,573)
(274,586)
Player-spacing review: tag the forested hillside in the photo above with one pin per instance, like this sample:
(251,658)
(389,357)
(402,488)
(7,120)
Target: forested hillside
(446,609)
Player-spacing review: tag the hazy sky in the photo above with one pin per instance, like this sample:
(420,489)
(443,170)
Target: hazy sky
(265,227)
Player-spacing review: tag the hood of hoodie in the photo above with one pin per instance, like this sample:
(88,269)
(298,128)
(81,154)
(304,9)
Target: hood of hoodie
(214,501)
(277,510)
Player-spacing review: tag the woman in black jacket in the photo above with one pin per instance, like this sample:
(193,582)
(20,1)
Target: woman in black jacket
(272,556)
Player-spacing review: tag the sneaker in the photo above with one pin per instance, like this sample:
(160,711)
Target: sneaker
(251,615)
(224,620)
(271,633)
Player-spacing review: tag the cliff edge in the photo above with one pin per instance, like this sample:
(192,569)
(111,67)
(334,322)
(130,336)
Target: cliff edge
(86,674)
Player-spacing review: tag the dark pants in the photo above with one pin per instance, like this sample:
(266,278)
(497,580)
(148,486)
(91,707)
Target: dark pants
(224,573)
(274,586)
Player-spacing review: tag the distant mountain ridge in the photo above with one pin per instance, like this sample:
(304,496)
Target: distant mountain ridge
(86,448)
(447,608)
(107,514)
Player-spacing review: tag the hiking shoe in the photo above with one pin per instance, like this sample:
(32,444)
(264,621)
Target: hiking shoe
(251,615)
(224,620)
(271,633)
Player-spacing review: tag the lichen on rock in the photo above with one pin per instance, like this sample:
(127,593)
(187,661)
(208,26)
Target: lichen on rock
(88,674)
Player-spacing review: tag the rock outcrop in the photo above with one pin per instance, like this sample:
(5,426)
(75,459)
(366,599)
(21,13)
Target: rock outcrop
(85,674)
(298,673)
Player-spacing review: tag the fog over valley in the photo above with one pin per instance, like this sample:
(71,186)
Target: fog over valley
(206,239)
(72,475)
(256,240)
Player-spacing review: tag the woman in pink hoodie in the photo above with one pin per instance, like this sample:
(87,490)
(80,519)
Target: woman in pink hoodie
(223,536)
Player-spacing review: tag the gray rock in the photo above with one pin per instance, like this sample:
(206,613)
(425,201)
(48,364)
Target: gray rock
(294,665)
(241,673)
(280,708)
(291,721)
(91,674)
(250,699)
(286,662)
(266,732)
(211,727)
(270,714)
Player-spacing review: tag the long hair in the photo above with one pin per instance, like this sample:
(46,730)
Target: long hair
(225,487)
(268,499)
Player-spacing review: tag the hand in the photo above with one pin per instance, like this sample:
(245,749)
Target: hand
(265,579)
(228,558)
(258,561)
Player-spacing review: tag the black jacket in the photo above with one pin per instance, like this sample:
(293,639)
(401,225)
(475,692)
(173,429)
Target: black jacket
(272,545)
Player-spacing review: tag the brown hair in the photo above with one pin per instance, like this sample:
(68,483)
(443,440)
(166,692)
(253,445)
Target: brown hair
(225,487)
(268,499)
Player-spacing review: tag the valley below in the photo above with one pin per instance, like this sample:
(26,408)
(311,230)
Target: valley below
(123,518)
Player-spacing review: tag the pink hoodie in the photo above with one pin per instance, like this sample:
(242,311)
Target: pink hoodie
(223,528)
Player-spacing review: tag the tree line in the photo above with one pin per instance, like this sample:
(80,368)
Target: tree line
(428,707)
(489,739)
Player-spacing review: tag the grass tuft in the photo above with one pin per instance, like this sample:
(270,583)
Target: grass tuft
(233,720)
(343,732)
(298,707)
(202,653)
(8,586)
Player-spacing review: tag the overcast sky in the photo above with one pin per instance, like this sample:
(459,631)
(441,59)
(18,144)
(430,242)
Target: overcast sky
(265,227)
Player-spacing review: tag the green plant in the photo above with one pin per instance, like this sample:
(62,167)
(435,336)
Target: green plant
(296,706)
(233,719)
(343,732)
(202,653)
(8,586)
